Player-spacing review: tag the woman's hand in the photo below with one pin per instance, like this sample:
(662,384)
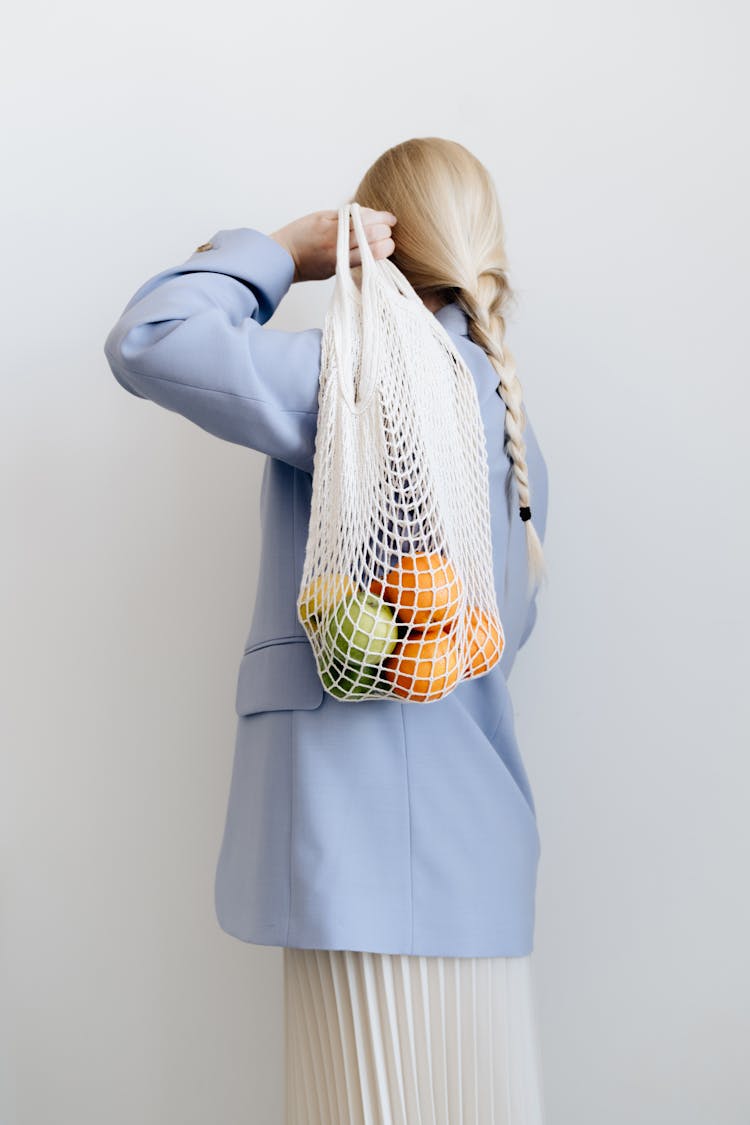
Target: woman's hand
(311,241)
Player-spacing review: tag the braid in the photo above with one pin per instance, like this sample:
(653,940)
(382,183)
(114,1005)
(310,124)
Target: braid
(484,307)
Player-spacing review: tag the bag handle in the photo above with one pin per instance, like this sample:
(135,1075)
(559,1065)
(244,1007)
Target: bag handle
(344,319)
(381,271)
(343,267)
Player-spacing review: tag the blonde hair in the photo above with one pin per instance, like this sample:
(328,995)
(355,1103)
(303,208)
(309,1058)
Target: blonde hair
(450,241)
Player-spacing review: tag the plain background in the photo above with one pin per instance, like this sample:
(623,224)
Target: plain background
(617,142)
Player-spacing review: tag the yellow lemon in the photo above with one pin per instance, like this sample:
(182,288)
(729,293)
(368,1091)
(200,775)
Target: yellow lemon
(321,595)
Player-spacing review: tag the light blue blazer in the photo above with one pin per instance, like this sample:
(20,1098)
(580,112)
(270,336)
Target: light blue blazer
(393,827)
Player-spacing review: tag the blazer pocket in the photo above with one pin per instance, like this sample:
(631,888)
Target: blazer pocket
(277,675)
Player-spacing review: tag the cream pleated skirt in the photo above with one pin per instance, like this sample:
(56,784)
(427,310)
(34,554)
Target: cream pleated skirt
(391,1039)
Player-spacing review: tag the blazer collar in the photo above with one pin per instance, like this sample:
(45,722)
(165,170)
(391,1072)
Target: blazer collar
(453,317)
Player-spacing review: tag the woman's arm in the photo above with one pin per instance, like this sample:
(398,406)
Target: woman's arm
(192,340)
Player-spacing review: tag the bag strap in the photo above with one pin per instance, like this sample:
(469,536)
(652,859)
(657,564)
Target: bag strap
(343,267)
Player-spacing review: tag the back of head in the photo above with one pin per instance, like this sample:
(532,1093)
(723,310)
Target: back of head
(450,242)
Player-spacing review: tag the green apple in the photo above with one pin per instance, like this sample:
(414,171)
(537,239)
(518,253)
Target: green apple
(342,680)
(362,630)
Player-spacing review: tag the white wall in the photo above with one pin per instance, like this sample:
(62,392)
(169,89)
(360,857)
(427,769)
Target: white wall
(616,139)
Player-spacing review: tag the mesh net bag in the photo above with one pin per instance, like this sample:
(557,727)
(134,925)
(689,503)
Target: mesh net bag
(397,594)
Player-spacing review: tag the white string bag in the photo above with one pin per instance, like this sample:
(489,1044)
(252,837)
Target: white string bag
(397,595)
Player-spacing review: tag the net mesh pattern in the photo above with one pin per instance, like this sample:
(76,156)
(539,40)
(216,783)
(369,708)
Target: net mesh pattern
(397,595)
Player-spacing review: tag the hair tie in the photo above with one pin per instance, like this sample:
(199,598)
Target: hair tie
(525,513)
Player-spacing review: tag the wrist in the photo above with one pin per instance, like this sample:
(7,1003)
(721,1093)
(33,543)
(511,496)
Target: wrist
(283,241)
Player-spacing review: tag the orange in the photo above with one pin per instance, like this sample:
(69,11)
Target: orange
(424,589)
(376,587)
(486,642)
(430,631)
(422,670)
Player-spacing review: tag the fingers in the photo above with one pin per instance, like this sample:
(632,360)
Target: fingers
(377,226)
(379,249)
(383,248)
(370,216)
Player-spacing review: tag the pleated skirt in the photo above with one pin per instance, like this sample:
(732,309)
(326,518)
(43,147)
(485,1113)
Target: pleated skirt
(392,1039)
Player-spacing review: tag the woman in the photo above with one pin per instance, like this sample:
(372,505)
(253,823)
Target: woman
(390,848)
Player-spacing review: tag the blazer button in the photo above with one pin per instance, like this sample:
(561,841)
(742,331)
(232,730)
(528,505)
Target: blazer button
(205,246)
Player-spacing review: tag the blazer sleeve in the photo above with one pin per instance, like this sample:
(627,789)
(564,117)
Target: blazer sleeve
(539,477)
(192,340)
